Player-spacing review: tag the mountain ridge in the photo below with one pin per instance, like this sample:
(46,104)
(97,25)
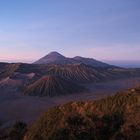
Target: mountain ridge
(56,58)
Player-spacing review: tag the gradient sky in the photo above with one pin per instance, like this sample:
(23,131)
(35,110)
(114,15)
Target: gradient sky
(102,29)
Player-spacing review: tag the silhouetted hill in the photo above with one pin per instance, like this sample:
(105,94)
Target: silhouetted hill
(91,62)
(52,86)
(111,118)
(56,58)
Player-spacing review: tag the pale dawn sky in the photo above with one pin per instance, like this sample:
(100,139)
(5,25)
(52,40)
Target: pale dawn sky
(101,29)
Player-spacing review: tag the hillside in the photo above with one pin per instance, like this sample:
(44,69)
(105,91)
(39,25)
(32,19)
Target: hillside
(84,74)
(112,118)
(52,86)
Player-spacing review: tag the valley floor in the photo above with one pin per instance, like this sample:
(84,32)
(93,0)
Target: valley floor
(26,108)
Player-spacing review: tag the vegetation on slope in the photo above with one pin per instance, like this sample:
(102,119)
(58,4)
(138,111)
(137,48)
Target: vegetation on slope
(16,132)
(112,118)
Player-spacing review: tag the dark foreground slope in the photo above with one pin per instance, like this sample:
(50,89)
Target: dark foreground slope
(112,118)
(52,86)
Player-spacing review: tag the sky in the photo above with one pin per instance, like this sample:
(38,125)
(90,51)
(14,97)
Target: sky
(106,30)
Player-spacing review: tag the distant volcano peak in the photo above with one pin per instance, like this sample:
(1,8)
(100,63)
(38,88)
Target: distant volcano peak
(50,58)
(56,58)
(54,54)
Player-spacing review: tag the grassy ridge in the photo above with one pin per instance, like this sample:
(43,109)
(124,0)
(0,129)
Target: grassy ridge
(112,118)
